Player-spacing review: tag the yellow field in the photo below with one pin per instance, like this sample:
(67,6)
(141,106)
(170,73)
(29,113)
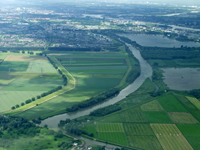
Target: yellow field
(170,137)
(23,58)
(194,101)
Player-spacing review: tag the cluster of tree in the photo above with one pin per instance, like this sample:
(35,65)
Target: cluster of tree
(65,144)
(170,53)
(86,133)
(38,97)
(12,127)
(73,129)
(105,110)
(64,77)
(195,93)
(94,100)
(63,122)
(52,62)
(73,49)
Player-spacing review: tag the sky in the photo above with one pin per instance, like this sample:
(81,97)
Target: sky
(177,2)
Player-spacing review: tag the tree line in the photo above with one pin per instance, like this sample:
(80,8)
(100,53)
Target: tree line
(94,100)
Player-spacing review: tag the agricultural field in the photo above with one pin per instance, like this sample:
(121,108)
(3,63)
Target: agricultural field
(149,126)
(94,73)
(194,101)
(170,103)
(170,137)
(133,115)
(157,117)
(182,117)
(191,133)
(110,127)
(152,106)
(17,84)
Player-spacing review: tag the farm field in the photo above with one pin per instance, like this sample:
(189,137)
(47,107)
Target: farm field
(18,85)
(170,103)
(194,101)
(157,117)
(192,134)
(152,106)
(182,117)
(90,82)
(170,137)
(116,137)
(133,115)
(110,127)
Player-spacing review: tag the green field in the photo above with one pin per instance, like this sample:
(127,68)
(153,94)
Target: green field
(133,115)
(14,66)
(33,84)
(12,98)
(182,117)
(137,129)
(194,101)
(170,137)
(114,118)
(145,142)
(113,137)
(170,103)
(41,66)
(157,117)
(91,128)
(110,127)
(151,106)
(192,134)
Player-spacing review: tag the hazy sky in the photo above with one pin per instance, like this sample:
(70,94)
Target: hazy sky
(180,2)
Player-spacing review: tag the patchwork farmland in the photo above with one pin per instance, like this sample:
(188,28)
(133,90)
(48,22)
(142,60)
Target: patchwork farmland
(151,125)
(19,82)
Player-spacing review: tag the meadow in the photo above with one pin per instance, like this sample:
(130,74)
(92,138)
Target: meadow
(93,73)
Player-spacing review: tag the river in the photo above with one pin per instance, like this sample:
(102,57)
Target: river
(146,72)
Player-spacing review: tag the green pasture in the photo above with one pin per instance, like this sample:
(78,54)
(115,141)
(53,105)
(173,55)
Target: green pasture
(113,118)
(12,98)
(14,66)
(157,117)
(145,142)
(133,115)
(134,129)
(33,85)
(170,137)
(185,102)
(113,137)
(189,129)
(91,128)
(41,66)
(156,62)
(170,103)
(182,118)
(3,55)
(110,127)
(194,101)
(151,106)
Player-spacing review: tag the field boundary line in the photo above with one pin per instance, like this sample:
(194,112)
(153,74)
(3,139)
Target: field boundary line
(35,102)
(28,66)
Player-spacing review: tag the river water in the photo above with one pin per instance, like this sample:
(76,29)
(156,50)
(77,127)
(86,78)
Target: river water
(146,72)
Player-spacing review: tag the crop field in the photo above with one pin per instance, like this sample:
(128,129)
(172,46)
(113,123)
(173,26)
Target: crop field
(170,103)
(157,117)
(170,137)
(151,106)
(194,101)
(14,66)
(110,127)
(133,115)
(189,129)
(113,137)
(137,129)
(185,102)
(145,142)
(182,117)
(114,118)
(33,85)
(24,58)
(12,98)
(39,66)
